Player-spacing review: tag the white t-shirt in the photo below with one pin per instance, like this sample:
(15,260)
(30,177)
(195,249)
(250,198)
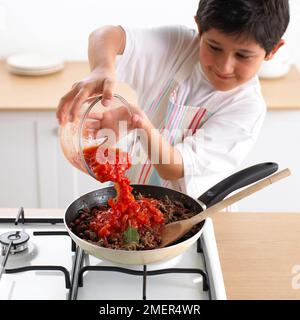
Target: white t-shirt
(151,58)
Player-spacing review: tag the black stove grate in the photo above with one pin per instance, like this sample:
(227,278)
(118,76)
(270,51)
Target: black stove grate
(21,218)
(144,274)
(44,268)
(78,269)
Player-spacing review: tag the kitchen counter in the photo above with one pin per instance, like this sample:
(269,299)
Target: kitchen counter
(258,252)
(44,92)
(283,94)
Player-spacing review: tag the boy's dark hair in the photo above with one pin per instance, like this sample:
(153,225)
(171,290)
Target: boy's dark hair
(265,21)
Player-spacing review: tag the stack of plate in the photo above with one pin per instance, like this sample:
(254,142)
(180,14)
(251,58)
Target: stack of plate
(33,64)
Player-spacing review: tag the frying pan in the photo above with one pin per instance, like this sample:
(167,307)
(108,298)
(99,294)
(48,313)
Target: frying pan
(212,196)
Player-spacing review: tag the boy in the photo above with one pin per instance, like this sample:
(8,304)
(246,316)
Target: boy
(204,82)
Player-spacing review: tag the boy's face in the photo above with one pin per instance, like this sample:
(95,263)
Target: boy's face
(227,61)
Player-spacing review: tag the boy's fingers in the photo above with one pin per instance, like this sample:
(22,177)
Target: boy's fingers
(63,106)
(109,86)
(93,124)
(79,99)
(95,116)
(136,120)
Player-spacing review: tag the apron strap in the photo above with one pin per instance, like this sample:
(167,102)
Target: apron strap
(147,170)
(187,67)
(184,71)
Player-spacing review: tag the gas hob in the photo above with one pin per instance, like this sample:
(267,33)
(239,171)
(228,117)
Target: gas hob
(43,263)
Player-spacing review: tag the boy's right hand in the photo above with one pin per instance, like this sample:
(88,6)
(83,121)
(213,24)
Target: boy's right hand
(99,81)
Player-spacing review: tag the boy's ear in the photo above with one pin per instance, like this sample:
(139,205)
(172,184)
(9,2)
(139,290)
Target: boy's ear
(195,18)
(274,50)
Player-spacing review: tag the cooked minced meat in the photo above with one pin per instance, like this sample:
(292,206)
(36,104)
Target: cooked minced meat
(148,237)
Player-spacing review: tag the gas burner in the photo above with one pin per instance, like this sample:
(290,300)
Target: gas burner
(19,241)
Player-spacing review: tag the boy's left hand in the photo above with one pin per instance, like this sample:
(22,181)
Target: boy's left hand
(111,119)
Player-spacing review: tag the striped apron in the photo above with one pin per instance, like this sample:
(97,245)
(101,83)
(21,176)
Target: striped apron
(170,116)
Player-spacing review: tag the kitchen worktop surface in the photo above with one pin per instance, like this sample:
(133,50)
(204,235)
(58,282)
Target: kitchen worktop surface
(44,92)
(259,252)
(282,93)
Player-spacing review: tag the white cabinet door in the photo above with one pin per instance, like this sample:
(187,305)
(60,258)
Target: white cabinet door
(55,175)
(34,172)
(278,142)
(60,183)
(18,161)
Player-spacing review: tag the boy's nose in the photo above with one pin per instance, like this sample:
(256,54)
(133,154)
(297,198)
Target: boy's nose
(225,65)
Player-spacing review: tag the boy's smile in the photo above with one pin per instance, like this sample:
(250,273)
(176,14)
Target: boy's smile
(229,61)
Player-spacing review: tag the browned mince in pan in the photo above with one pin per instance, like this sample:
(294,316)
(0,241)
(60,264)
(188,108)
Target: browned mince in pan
(147,237)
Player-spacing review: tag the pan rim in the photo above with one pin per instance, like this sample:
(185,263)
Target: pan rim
(135,251)
(196,235)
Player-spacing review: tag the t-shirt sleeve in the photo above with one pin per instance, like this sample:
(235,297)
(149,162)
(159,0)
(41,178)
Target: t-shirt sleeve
(221,144)
(153,55)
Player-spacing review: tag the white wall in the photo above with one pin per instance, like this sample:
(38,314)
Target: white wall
(62,27)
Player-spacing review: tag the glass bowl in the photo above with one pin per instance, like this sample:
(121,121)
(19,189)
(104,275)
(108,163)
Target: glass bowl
(98,125)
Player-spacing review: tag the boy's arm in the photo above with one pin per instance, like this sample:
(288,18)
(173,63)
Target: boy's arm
(104,45)
(170,163)
(166,159)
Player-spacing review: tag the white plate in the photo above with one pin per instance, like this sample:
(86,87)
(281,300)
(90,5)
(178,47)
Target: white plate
(273,71)
(34,72)
(33,64)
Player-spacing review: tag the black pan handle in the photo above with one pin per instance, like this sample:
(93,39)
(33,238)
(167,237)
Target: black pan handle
(236,181)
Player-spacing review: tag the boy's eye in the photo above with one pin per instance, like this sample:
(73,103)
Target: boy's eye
(214,48)
(242,56)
